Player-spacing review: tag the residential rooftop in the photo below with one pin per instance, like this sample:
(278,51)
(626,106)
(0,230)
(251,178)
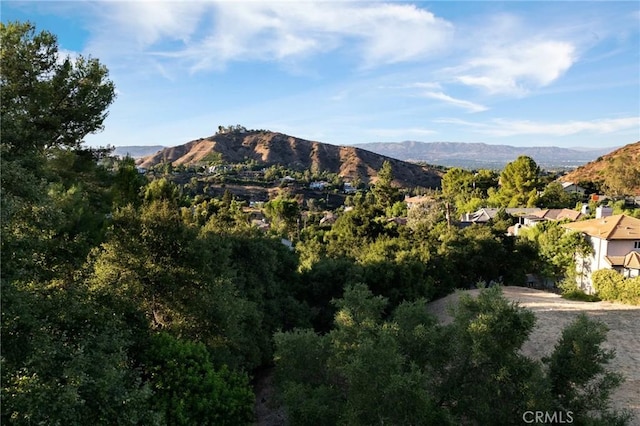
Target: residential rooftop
(617,227)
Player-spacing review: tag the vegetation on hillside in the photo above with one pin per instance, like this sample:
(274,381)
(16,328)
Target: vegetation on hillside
(140,299)
(617,173)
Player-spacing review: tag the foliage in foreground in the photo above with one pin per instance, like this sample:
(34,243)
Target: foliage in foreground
(407,369)
(189,390)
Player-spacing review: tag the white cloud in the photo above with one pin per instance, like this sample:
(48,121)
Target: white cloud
(468,105)
(509,54)
(502,127)
(143,23)
(207,35)
(514,68)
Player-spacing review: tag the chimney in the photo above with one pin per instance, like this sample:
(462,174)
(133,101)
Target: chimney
(584,209)
(603,212)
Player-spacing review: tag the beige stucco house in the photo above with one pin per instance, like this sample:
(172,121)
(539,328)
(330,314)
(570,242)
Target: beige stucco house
(616,245)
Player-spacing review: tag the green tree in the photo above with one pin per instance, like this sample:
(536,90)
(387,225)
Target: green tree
(188,389)
(555,197)
(284,214)
(557,249)
(47,100)
(612,285)
(456,181)
(67,358)
(385,193)
(163,190)
(127,183)
(152,262)
(579,379)
(48,104)
(519,183)
(357,374)
(482,368)
(467,190)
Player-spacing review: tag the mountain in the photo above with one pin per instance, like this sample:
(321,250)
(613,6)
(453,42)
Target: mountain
(595,170)
(137,151)
(481,155)
(270,148)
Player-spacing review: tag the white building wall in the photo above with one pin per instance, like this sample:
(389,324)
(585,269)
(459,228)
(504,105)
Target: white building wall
(601,248)
(621,247)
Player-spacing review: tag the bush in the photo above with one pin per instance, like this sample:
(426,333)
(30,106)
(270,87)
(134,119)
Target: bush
(579,295)
(188,390)
(610,285)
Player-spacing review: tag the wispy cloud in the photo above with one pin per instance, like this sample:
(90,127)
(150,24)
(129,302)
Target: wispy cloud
(208,35)
(502,127)
(434,90)
(468,105)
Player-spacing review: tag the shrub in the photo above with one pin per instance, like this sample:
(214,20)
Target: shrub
(188,390)
(579,295)
(610,285)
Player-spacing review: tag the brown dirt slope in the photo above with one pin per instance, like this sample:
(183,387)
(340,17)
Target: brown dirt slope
(595,170)
(276,148)
(553,314)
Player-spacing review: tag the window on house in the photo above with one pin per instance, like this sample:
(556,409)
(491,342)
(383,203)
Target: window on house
(636,244)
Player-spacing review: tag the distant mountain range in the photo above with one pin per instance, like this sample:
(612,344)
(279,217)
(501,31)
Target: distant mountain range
(449,154)
(137,151)
(271,148)
(481,155)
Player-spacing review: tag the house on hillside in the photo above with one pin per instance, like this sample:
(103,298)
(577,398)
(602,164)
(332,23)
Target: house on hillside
(559,214)
(545,215)
(573,188)
(318,185)
(348,188)
(615,240)
(485,214)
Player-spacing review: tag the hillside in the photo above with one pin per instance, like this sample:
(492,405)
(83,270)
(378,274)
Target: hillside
(276,148)
(595,170)
(481,155)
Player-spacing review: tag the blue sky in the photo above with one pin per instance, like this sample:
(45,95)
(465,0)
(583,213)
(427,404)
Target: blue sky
(561,73)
